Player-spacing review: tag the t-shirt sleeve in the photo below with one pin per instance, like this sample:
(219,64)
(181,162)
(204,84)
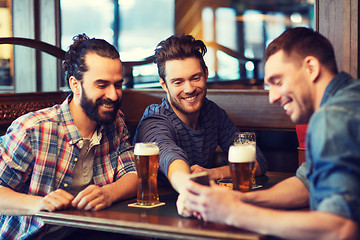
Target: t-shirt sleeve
(301,174)
(159,129)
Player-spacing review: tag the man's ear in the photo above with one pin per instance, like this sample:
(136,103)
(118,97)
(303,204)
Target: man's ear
(313,67)
(74,85)
(163,84)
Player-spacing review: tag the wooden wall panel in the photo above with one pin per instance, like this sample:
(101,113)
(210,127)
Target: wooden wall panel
(248,109)
(188,13)
(339,22)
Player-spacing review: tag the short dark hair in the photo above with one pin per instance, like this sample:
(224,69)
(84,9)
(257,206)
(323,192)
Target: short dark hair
(179,47)
(305,42)
(74,64)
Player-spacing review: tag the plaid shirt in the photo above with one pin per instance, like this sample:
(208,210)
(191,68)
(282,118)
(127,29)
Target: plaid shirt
(38,155)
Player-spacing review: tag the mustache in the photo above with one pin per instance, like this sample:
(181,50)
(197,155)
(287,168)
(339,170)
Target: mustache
(116,103)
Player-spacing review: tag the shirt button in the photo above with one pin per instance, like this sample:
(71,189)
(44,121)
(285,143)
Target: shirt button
(76,159)
(66,185)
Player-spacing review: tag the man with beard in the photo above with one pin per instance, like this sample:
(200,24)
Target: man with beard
(75,154)
(187,126)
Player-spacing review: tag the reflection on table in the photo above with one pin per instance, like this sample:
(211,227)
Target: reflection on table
(160,222)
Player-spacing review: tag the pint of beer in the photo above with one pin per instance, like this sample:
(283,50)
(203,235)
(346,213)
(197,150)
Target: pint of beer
(242,165)
(147,165)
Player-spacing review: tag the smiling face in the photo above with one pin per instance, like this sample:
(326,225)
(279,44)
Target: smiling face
(101,88)
(185,86)
(290,86)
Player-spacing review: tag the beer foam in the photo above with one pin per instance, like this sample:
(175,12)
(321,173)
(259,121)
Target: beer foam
(242,153)
(146,149)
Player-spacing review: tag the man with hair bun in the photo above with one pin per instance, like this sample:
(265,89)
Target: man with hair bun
(75,154)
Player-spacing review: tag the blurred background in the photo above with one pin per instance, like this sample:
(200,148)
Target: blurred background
(235,31)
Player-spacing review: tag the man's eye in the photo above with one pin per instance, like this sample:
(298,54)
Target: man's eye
(101,85)
(177,82)
(277,83)
(118,85)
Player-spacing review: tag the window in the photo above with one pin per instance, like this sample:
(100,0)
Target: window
(238,34)
(140,26)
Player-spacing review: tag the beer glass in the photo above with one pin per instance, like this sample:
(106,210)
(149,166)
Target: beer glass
(147,165)
(242,156)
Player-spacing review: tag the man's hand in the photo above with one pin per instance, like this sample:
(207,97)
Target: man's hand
(182,210)
(56,200)
(196,168)
(214,173)
(208,203)
(92,198)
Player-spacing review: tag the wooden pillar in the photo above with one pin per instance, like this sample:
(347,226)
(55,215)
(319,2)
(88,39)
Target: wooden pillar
(339,22)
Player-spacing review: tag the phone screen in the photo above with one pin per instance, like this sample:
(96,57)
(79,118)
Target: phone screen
(201,178)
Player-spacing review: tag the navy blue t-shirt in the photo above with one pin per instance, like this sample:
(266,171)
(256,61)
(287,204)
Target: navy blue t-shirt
(176,140)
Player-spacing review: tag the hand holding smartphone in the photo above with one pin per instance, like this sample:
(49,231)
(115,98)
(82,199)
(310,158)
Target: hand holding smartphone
(201,178)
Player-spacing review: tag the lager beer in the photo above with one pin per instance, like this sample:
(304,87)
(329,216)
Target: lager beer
(147,164)
(242,165)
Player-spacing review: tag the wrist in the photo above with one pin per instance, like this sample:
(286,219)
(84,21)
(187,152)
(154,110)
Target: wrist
(178,179)
(111,195)
(220,172)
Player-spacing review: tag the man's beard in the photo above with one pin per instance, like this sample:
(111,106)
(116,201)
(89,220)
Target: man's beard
(176,103)
(92,109)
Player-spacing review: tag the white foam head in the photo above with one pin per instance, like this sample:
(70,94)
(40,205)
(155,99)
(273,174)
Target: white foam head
(242,153)
(146,149)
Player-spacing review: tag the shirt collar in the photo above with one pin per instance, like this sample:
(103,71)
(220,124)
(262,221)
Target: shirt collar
(340,81)
(67,120)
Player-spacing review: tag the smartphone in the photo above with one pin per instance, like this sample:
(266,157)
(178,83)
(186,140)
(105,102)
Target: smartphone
(201,177)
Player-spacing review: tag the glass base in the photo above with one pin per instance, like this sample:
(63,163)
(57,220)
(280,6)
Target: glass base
(142,205)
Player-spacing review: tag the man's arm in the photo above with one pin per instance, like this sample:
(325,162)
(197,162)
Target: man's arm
(217,204)
(220,172)
(290,193)
(178,172)
(14,203)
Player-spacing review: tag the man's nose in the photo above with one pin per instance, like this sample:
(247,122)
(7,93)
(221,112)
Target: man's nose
(274,95)
(189,87)
(113,93)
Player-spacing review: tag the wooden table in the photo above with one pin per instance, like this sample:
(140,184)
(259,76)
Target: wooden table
(160,222)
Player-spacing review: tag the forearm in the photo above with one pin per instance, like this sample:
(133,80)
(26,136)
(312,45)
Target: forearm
(178,170)
(293,225)
(14,203)
(123,188)
(290,193)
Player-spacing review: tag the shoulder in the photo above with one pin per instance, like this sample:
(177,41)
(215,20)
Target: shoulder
(163,109)
(344,104)
(159,112)
(39,117)
(342,92)
(334,125)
